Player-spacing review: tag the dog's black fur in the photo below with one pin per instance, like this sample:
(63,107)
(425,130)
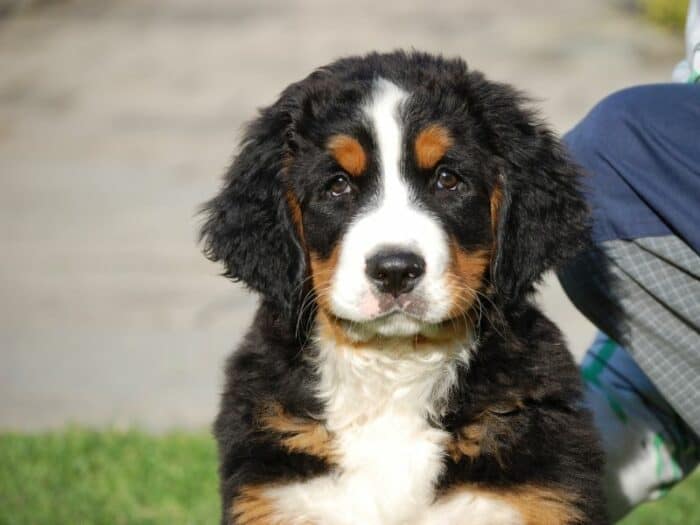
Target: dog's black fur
(521,375)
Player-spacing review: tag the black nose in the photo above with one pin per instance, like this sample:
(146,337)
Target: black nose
(395,272)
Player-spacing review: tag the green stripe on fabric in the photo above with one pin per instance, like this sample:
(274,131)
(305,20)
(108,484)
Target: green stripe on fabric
(616,407)
(591,373)
(658,447)
(593,369)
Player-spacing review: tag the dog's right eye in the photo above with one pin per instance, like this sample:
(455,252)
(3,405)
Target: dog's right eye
(338,186)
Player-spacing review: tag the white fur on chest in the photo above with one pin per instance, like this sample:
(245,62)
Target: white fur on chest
(378,406)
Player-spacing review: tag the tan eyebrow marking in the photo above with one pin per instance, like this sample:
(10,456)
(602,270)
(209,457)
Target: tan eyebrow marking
(349,153)
(431,145)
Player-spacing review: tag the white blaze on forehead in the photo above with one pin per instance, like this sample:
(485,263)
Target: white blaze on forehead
(383,112)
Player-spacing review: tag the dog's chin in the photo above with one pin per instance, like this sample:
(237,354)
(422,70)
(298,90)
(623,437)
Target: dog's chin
(396,325)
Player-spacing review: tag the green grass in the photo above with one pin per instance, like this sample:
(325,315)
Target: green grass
(680,507)
(86,477)
(667,13)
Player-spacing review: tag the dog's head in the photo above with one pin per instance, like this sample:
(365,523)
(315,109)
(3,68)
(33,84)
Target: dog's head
(391,191)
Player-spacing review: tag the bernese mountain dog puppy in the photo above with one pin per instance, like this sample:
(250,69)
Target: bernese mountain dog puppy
(394,211)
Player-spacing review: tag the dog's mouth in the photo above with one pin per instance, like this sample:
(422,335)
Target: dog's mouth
(392,324)
(387,305)
(402,318)
(423,314)
(399,326)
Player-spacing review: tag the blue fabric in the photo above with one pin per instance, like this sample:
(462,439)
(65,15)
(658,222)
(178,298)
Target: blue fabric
(641,150)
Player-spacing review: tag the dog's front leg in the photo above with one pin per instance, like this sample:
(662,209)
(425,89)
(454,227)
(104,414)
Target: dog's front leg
(467,507)
(525,505)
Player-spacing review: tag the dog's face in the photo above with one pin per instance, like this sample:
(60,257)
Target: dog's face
(395,207)
(393,190)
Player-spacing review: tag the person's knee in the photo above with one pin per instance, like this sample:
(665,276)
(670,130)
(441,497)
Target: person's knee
(608,128)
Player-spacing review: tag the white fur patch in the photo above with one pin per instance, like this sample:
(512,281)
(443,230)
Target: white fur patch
(378,403)
(394,220)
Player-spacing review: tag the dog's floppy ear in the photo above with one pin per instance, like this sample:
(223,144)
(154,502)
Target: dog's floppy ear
(543,218)
(248,225)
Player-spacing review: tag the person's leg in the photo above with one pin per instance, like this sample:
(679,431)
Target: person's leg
(648,446)
(639,150)
(643,293)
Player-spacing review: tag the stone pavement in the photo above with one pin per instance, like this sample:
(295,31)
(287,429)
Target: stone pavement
(117,119)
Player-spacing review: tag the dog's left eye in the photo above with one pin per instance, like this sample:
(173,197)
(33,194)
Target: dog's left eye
(446,179)
(339,186)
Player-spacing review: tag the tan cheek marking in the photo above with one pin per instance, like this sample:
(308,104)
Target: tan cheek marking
(495,201)
(348,152)
(295,210)
(536,505)
(465,277)
(298,434)
(330,330)
(322,271)
(431,145)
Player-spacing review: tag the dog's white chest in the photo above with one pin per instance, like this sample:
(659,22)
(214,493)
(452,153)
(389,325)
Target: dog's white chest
(389,456)
(389,467)
(381,480)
